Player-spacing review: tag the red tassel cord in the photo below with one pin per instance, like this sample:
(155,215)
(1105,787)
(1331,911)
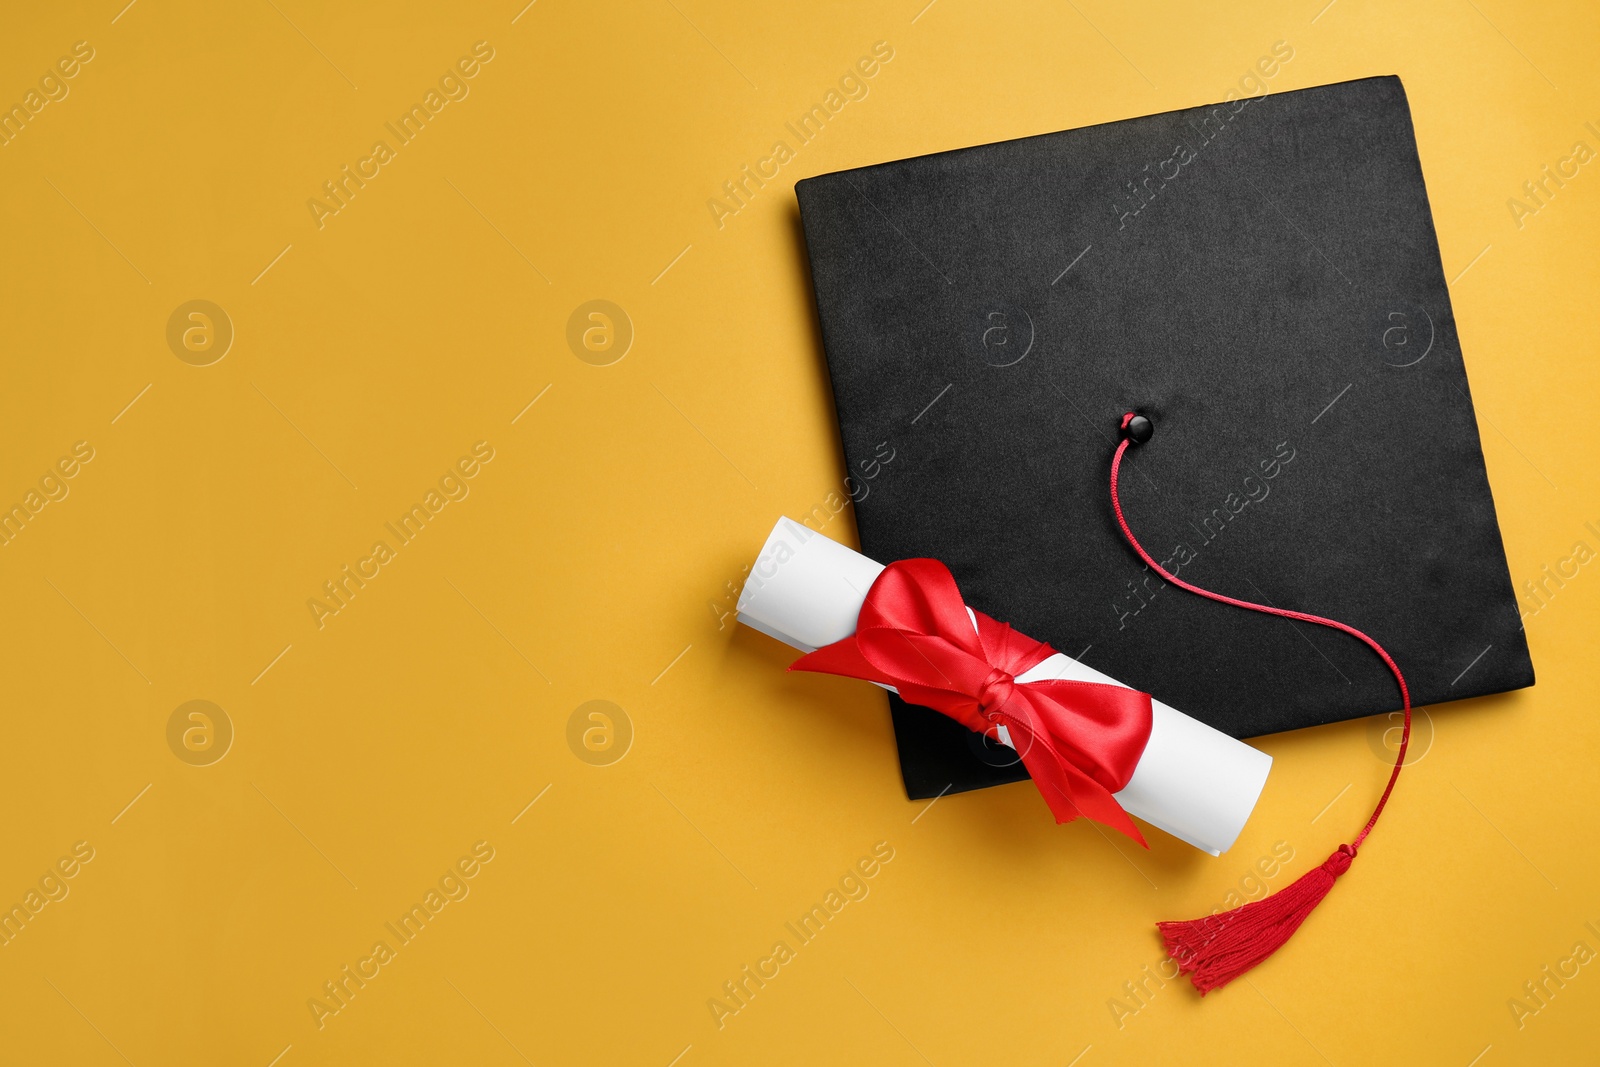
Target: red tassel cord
(1216,949)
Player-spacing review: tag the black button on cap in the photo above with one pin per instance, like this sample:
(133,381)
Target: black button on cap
(1139,429)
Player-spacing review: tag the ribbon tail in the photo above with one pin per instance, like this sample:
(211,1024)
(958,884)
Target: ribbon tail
(1068,791)
(843,658)
(1072,794)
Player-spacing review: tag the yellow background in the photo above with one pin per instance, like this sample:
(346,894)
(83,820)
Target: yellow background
(594,551)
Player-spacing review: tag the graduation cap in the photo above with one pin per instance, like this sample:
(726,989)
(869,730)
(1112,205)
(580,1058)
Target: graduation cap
(1260,282)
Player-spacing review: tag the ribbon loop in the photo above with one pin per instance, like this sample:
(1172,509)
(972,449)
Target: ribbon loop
(1080,741)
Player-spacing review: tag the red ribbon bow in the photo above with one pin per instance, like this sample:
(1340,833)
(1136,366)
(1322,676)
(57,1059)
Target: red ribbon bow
(1079,740)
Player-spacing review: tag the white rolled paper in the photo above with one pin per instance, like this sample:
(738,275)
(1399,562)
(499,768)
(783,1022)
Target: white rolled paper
(1196,783)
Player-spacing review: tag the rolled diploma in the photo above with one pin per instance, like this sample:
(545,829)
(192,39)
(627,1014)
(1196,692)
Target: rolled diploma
(1196,783)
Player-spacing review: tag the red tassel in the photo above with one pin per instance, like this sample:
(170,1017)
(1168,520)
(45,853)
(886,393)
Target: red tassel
(1216,949)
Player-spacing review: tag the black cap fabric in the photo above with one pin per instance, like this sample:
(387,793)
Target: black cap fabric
(1261,279)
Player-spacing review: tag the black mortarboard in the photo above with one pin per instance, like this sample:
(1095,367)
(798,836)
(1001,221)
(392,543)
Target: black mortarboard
(1262,279)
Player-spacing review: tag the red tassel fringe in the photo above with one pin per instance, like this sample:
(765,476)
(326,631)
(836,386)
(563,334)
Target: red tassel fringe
(1216,949)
